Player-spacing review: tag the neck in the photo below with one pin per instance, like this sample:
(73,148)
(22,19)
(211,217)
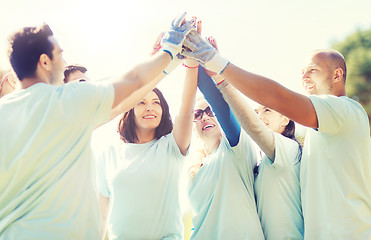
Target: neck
(145,135)
(28,82)
(212,143)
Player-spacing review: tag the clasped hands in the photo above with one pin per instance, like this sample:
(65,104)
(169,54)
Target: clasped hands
(183,40)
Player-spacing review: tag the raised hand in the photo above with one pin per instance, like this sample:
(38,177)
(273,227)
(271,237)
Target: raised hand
(202,51)
(173,39)
(189,62)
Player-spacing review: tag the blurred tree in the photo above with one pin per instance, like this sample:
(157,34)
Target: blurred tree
(356,49)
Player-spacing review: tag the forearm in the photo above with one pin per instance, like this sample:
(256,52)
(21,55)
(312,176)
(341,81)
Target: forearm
(134,85)
(249,120)
(221,109)
(183,123)
(271,94)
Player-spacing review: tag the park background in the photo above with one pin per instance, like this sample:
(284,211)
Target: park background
(268,37)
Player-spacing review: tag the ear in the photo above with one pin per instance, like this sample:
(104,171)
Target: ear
(45,62)
(285,122)
(338,75)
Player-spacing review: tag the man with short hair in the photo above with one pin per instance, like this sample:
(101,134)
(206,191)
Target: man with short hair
(335,174)
(47,177)
(75,73)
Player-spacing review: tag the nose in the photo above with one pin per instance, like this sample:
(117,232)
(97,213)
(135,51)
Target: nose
(149,107)
(305,76)
(204,117)
(259,115)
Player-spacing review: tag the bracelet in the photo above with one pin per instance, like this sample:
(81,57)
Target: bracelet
(190,67)
(220,82)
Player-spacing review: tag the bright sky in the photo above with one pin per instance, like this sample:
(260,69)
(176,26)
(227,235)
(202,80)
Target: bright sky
(270,37)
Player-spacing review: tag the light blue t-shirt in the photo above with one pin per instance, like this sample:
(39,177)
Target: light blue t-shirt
(222,194)
(47,177)
(142,183)
(335,172)
(277,191)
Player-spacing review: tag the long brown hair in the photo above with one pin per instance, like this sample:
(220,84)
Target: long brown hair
(126,127)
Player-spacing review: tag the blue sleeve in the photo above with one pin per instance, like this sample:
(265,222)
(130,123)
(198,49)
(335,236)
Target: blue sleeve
(227,120)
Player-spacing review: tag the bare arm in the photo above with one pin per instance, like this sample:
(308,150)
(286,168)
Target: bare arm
(183,123)
(134,85)
(271,94)
(249,120)
(103,208)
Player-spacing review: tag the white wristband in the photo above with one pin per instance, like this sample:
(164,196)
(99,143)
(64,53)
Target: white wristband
(217,64)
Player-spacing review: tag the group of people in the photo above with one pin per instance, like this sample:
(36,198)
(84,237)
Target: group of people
(52,188)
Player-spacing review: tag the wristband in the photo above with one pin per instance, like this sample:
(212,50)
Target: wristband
(217,79)
(190,67)
(220,82)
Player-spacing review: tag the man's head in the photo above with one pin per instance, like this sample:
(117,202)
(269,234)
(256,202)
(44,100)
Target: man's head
(75,72)
(325,73)
(34,53)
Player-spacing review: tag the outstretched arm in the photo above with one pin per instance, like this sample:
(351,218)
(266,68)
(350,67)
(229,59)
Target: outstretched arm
(273,95)
(227,120)
(265,91)
(249,120)
(183,123)
(134,85)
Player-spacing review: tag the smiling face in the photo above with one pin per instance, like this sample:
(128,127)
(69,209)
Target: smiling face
(207,126)
(317,75)
(148,112)
(272,119)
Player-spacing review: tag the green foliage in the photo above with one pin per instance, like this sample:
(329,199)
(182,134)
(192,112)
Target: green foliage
(356,49)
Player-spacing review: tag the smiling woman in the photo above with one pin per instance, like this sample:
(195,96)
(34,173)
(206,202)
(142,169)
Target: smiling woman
(139,178)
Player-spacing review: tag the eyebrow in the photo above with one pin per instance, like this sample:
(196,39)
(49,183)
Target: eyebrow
(152,99)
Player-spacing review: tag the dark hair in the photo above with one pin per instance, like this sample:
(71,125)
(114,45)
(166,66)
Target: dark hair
(289,132)
(126,127)
(73,68)
(26,47)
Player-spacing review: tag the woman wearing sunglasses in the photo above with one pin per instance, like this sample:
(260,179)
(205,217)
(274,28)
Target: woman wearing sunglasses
(221,189)
(277,185)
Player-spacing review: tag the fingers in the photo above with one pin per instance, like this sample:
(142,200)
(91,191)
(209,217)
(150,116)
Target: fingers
(188,26)
(199,27)
(198,24)
(157,46)
(190,45)
(178,21)
(212,42)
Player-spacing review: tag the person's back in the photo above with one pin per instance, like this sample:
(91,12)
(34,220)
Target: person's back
(45,180)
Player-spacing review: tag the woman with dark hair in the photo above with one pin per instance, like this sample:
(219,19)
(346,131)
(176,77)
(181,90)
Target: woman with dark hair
(277,175)
(277,184)
(138,179)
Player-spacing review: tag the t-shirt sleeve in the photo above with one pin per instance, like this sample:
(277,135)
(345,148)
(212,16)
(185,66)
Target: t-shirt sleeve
(89,103)
(173,147)
(332,113)
(245,152)
(287,151)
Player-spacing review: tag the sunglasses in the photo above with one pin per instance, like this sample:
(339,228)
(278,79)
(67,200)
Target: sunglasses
(198,114)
